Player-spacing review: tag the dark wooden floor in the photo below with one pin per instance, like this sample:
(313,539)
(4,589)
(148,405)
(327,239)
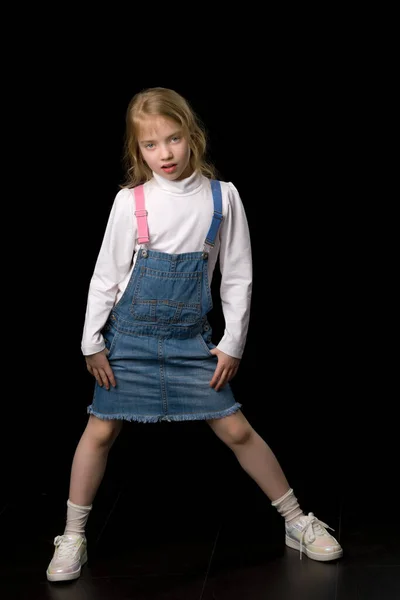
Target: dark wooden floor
(175,526)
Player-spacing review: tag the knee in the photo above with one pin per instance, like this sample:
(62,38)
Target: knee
(232,431)
(237,436)
(103,432)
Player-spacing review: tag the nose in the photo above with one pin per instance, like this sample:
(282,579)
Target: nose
(166,152)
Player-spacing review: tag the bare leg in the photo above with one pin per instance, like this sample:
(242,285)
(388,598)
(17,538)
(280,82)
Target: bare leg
(87,472)
(253,454)
(306,534)
(90,459)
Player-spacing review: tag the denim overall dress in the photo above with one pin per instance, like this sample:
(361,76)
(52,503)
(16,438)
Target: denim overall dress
(159,338)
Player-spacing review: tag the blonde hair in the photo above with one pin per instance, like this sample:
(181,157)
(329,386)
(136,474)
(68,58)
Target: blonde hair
(158,101)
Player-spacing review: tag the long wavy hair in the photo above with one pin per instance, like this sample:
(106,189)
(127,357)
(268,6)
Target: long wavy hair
(158,101)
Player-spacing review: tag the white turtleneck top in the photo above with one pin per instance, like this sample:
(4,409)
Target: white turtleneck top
(179,217)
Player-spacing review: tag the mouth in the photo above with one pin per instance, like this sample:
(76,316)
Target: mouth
(169,168)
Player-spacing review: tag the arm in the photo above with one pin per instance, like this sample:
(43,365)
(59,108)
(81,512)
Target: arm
(113,263)
(235,261)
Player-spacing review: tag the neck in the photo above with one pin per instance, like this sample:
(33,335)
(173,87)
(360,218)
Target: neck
(184,186)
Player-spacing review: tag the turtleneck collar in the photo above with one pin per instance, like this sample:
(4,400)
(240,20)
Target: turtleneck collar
(186,186)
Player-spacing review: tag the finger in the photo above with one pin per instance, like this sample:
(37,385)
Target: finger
(228,375)
(221,377)
(217,374)
(222,381)
(232,373)
(104,379)
(110,376)
(97,376)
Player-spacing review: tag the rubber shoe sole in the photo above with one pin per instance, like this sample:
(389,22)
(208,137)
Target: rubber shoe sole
(314,555)
(67,576)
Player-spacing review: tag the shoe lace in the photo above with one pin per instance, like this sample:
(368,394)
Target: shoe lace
(314,528)
(65,545)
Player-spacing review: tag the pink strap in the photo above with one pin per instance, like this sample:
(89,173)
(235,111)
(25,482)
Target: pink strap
(141,215)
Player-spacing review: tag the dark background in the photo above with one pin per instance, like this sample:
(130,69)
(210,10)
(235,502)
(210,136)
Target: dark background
(310,380)
(294,107)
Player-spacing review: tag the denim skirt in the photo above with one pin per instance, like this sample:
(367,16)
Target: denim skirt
(161,377)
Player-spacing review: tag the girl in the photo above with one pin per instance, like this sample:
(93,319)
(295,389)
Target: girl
(146,337)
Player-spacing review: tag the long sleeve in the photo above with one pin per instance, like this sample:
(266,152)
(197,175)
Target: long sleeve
(235,261)
(112,266)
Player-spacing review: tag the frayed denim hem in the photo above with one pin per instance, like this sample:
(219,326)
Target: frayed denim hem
(157,419)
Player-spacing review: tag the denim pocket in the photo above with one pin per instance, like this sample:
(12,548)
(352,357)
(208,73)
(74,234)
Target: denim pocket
(110,336)
(167,297)
(206,346)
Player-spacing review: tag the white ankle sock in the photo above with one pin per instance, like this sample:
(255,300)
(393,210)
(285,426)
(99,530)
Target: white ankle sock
(77,517)
(288,507)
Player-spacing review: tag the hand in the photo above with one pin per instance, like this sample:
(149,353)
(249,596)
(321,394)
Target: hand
(98,366)
(226,369)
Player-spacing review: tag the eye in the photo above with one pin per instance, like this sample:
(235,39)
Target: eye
(149,146)
(175,139)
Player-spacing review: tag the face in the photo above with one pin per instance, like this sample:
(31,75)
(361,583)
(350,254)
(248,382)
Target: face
(165,148)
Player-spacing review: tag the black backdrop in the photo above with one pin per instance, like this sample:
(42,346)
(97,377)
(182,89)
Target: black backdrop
(303,381)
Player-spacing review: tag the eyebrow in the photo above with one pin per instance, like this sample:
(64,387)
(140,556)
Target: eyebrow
(179,131)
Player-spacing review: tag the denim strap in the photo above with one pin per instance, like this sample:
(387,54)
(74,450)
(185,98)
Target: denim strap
(217,216)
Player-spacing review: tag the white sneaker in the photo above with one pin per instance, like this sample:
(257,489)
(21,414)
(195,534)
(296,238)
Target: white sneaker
(308,534)
(69,556)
